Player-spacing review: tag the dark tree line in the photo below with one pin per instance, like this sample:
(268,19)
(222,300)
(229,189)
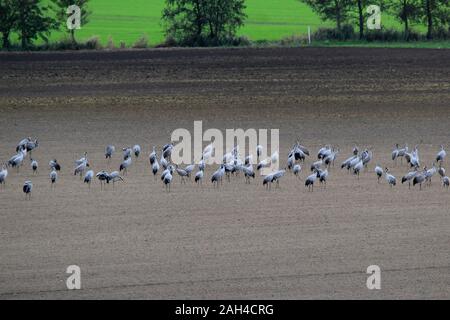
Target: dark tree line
(214,22)
(32,19)
(432,13)
(203,22)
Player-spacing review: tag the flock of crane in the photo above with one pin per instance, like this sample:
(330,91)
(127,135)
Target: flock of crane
(234,165)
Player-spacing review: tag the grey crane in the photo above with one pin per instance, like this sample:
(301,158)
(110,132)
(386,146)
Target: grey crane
(167,150)
(17,160)
(268,180)
(316,165)
(441,155)
(366,157)
(88,177)
(217,176)
(392,181)
(34,165)
(199,177)
(277,175)
(126,152)
(103,177)
(125,165)
(79,170)
(182,173)
(201,165)
(53,178)
(445,182)
(109,151)
(27,188)
(379,172)
(358,167)
(155,168)
(82,160)
(259,150)
(324,152)
(189,169)
(53,164)
(329,159)
(137,150)
(322,175)
(114,177)
(263,164)
(430,173)
(409,177)
(419,178)
(28,144)
(248,173)
(441,171)
(152,157)
(3,175)
(167,180)
(309,182)
(296,170)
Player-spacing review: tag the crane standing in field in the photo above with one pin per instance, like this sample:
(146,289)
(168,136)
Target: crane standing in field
(81,167)
(392,181)
(109,151)
(182,173)
(441,171)
(167,180)
(379,172)
(152,157)
(53,178)
(233,165)
(114,177)
(309,182)
(3,175)
(296,170)
(248,173)
(441,155)
(27,144)
(125,165)
(17,159)
(34,165)
(102,176)
(27,188)
(322,175)
(419,178)
(445,182)
(88,177)
(218,176)
(53,164)
(155,167)
(137,150)
(409,177)
(199,177)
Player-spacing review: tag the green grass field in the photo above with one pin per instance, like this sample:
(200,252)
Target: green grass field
(267,20)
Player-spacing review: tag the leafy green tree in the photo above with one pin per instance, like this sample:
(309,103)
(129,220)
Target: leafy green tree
(224,18)
(33,21)
(203,22)
(334,10)
(361,4)
(434,13)
(405,11)
(62,15)
(8,17)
